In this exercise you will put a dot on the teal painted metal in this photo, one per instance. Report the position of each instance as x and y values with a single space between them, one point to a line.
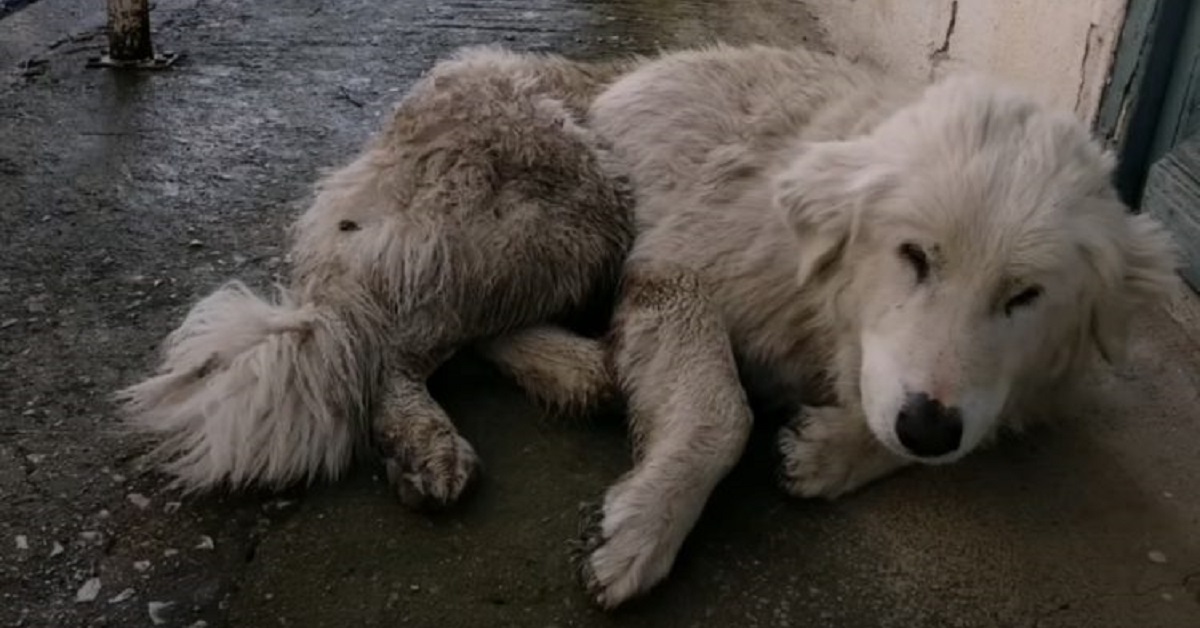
1132 106
1173 197
1180 116
1150 114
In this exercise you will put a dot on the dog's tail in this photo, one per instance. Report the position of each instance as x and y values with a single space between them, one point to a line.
251 391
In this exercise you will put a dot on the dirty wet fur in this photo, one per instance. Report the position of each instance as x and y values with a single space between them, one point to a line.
923 265
479 215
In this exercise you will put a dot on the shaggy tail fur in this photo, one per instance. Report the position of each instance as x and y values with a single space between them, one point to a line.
251 391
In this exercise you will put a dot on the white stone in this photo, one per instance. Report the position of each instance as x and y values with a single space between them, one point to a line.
158 611
121 597
89 591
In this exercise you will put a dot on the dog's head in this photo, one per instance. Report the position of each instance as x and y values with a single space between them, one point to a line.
975 248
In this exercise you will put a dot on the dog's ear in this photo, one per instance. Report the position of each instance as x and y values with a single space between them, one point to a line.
1136 263
822 194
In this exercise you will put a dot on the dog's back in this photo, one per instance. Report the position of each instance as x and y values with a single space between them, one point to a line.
706 121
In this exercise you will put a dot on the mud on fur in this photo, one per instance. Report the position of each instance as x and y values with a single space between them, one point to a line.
480 212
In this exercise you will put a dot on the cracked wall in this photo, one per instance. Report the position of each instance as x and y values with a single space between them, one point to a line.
1061 50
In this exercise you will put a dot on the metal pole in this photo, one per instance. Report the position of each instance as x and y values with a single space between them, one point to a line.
129 30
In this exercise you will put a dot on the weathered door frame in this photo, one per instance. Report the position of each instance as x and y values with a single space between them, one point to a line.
1135 107
1150 113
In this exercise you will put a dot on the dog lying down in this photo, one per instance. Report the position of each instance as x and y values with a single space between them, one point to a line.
919 263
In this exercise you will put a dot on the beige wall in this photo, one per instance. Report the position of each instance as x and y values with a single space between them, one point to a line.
1062 49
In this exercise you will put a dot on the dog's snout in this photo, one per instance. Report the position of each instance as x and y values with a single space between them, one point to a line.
927 428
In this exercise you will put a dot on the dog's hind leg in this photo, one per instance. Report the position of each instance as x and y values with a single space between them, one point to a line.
428 462
690 422
829 451
565 373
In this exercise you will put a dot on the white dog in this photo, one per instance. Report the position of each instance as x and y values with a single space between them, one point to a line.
921 264
926 263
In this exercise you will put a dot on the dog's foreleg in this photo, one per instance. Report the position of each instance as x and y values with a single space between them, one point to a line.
428 462
829 451
690 421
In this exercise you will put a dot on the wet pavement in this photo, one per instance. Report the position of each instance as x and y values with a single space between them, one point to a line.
124 198
12 6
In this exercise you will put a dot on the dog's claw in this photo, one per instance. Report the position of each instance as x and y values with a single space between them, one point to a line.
589 539
824 453
437 479
622 552
812 463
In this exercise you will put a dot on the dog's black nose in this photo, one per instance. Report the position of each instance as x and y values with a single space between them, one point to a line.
927 428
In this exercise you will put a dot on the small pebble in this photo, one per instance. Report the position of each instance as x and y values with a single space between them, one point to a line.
91 536
141 565
121 597
169 552
199 623
158 611
1167 597
103 514
1156 556
195 244
206 543
35 458
414 587
118 478
170 507
22 542
137 499
279 504
89 590
56 549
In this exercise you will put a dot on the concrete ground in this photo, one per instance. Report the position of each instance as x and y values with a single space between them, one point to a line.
124 198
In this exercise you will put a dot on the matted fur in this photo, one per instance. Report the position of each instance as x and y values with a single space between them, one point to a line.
481 208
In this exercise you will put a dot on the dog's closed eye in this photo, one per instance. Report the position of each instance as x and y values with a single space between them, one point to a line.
916 257
1024 298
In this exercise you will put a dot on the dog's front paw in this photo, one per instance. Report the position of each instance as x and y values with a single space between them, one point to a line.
436 474
818 454
627 546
